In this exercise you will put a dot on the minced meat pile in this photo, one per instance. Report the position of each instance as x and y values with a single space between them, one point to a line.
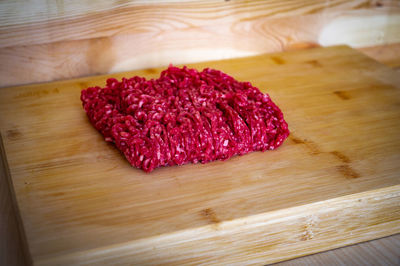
184 116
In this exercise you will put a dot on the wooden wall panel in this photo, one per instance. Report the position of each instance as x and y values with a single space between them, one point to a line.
52 40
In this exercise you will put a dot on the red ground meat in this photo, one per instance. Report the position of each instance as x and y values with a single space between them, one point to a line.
184 116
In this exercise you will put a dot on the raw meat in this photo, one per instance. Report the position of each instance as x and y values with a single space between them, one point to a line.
184 116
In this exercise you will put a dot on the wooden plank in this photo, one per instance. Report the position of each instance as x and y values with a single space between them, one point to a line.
81 201
53 40
48 20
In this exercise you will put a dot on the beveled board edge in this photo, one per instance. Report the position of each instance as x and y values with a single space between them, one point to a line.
260 239
4 168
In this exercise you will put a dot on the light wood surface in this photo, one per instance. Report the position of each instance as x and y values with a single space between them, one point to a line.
386 54
47 40
334 182
54 40
384 251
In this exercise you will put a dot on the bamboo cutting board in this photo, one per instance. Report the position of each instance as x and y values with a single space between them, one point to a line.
334 182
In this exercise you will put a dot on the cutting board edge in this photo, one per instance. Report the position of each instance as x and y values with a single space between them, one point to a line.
4 168
302 221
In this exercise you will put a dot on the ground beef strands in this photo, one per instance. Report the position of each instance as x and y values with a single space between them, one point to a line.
184 116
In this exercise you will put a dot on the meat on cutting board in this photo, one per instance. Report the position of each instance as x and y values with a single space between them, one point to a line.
184 116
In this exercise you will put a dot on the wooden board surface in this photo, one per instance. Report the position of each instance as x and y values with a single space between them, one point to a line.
335 181
52 40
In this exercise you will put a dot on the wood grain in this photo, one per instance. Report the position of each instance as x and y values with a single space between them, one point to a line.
386 54
80 200
53 40
273 237
384 251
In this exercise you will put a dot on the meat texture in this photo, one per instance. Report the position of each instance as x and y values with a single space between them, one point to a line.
184 116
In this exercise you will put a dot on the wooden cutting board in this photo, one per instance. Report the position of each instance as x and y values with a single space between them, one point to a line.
334 182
